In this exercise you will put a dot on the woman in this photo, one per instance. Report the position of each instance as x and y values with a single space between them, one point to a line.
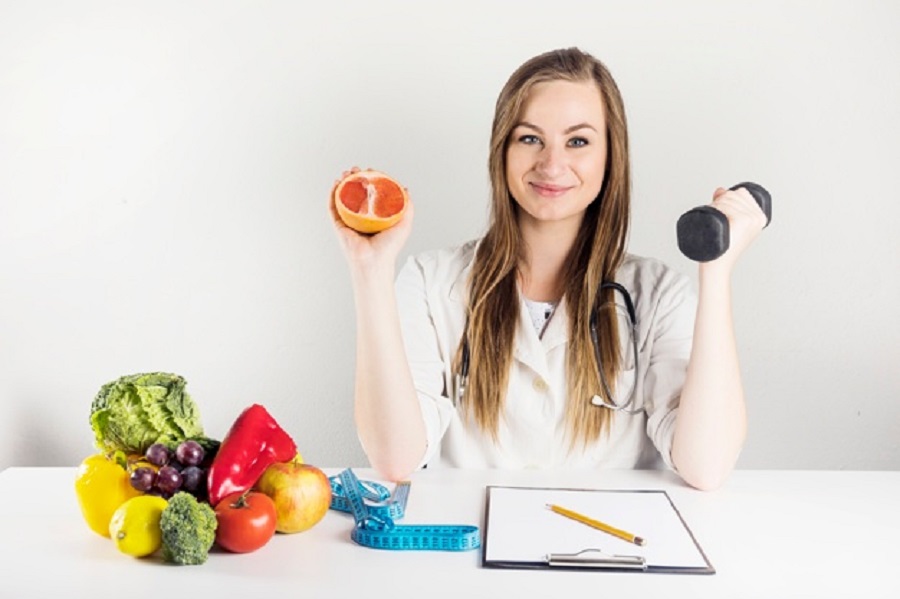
513 311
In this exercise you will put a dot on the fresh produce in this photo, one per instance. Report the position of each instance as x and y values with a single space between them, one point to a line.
168 480
254 442
246 521
134 527
135 411
190 453
301 493
159 484
193 480
143 479
158 454
188 530
369 201
101 485
172 471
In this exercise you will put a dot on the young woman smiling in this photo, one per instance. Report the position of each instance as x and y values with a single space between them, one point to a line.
544 344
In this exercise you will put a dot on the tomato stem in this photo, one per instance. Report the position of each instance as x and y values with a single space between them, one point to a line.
241 502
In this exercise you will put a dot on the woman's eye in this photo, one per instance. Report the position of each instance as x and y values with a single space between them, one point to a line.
529 139
577 142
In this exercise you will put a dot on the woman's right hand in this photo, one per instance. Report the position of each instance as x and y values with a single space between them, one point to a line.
364 250
386 408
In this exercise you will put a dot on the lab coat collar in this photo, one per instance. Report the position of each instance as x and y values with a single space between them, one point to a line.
459 288
557 331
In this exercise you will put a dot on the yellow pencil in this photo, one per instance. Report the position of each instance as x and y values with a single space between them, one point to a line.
617 532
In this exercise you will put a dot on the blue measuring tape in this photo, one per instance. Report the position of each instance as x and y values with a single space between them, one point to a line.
375 521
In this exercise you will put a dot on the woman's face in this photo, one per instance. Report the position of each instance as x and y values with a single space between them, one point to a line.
556 154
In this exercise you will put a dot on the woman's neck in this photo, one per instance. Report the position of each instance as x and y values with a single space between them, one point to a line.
547 246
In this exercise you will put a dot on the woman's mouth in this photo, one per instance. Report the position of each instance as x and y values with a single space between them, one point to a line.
549 190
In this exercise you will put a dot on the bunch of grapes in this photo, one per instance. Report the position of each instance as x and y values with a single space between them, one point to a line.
181 470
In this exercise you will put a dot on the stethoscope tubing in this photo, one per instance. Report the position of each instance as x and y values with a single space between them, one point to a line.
461 377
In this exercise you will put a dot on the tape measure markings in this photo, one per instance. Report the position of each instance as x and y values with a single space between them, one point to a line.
375 525
433 538
387 506
368 489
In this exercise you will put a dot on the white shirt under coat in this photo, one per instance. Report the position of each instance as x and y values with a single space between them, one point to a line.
431 295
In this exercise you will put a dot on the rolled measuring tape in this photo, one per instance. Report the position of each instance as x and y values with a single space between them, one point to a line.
375 524
384 507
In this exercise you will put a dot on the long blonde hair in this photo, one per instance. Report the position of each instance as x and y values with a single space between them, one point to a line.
598 251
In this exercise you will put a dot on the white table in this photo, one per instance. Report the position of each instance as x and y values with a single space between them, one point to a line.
767 533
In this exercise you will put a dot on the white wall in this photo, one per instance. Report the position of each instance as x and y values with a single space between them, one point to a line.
164 172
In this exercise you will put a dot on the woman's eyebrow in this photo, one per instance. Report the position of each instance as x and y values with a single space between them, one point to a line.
580 126
567 131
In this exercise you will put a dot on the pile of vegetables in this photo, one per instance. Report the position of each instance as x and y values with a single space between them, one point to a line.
148 431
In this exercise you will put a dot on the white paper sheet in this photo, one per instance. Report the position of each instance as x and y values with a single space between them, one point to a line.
521 529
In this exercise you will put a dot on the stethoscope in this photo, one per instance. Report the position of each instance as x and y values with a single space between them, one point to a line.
461 378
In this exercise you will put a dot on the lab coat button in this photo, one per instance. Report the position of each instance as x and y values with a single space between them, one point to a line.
540 385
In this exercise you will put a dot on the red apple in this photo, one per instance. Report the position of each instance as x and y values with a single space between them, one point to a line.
301 493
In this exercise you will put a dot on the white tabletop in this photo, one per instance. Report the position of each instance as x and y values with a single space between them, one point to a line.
767 533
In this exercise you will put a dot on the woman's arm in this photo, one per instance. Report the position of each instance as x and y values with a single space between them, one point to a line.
387 412
712 418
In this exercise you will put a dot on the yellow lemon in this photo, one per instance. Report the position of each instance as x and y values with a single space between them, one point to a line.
134 527
101 486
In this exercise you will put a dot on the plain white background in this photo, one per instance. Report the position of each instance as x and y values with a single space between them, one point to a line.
164 170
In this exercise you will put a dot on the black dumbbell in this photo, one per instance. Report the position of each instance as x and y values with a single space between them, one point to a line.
703 231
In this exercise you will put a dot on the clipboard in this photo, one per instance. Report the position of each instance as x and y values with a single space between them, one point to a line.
521 532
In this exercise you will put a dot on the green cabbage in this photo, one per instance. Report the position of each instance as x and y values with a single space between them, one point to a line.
135 411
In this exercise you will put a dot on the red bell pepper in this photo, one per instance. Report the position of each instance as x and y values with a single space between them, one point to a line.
254 442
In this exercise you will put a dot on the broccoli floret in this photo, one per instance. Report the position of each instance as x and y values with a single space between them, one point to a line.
188 530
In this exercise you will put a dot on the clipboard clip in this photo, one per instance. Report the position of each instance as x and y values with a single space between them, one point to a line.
595 558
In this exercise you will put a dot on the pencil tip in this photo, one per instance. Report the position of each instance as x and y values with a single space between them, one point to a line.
640 541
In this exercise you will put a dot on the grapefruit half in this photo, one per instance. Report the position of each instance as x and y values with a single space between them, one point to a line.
369 201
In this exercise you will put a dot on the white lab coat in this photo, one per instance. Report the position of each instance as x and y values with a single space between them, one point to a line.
431 296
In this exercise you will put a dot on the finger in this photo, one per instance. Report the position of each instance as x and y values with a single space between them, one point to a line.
732 203
741 206
332 210
344 175
351 171
738 196
718 193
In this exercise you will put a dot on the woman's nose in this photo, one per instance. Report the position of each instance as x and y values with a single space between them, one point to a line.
551 161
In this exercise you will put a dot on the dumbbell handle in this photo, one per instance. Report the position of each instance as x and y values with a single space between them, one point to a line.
703 231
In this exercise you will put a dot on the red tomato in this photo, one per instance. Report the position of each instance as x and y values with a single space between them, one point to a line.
246 522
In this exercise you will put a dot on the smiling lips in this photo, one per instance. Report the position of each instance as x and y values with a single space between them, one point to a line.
548 190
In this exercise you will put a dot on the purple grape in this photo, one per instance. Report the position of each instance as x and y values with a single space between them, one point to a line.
157 454
192 478
189 453
143 478
168 479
